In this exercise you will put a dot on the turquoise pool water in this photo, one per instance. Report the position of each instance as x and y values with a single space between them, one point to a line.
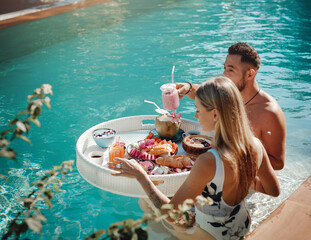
103 61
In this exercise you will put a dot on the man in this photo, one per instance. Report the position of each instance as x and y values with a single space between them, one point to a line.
264 113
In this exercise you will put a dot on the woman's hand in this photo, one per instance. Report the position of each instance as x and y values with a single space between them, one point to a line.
127 168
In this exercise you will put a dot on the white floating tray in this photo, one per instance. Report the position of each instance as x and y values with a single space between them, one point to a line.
130 129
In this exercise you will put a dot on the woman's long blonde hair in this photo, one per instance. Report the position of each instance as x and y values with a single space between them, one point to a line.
233 137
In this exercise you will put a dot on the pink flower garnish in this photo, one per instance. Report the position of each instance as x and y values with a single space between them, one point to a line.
176 117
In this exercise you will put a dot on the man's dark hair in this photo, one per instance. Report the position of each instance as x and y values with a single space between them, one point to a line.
248 54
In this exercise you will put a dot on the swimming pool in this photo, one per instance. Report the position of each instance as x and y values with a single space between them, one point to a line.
103 61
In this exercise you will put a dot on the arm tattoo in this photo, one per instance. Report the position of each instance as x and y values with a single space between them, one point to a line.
154 197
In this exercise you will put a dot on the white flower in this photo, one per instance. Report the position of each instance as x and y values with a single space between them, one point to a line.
47 99
38 90
47 88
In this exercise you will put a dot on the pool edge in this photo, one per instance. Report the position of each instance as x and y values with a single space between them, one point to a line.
48 12
291 220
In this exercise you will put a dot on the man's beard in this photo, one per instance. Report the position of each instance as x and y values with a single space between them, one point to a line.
242 83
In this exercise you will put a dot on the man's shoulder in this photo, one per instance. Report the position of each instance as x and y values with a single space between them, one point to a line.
265 106
265 112
268 106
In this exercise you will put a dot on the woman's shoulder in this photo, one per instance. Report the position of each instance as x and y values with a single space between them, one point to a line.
206 162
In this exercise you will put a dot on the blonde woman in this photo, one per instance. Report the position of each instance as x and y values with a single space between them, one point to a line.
225 173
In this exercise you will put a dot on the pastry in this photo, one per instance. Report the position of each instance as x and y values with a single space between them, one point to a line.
177 161
160 149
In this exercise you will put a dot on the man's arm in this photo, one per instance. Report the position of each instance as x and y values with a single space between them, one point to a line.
273 137
183 88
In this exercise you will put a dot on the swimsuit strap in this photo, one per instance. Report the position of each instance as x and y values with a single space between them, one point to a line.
219 172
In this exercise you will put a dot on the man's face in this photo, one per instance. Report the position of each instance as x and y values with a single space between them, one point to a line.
235 70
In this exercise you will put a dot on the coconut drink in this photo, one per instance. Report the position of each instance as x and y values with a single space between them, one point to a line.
166 126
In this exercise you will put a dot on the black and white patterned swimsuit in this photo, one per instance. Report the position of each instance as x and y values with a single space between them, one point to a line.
220 219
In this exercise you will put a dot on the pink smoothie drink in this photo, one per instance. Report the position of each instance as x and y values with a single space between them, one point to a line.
170 96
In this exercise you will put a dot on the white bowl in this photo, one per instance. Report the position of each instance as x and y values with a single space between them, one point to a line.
104 137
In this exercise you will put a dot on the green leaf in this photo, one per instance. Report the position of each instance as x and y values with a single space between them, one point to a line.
43 178
96 235
186 216
47 201
8 153
157 212
38 184
41 217
30 105
18 131
63 171
4 143
55 186
23 138
23 227
185 207
173 215
160 218
50 172
35 121
128 223
34 223
21 125
189 201
37 111
5 132
41 95
46 101
141 233
27 125
167 206
27 202
13 121
59 182
48 193
22 112
134 236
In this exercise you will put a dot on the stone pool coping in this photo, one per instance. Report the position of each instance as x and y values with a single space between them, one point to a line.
35 14
291 220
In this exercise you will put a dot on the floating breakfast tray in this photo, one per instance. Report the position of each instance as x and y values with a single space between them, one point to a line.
92 159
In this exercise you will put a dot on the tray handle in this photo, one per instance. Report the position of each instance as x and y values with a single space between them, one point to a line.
148 122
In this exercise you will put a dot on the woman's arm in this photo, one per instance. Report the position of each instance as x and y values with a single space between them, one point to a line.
132 169
266 181
202 172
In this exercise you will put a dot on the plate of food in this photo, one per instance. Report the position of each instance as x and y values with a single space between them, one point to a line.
167 165
151 148
172 164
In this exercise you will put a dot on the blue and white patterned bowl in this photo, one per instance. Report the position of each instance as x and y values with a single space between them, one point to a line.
104 137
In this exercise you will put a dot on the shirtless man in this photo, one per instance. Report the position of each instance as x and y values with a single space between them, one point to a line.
264 113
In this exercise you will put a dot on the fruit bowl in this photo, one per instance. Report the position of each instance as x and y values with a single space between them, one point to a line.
196 144
104 137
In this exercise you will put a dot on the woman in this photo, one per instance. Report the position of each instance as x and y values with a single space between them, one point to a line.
224 173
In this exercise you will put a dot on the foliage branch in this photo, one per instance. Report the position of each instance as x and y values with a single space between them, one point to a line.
133 229
20 125
31 217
